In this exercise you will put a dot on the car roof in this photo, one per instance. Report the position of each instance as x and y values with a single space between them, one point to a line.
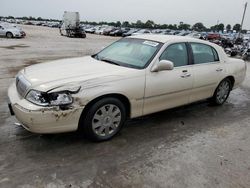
168 38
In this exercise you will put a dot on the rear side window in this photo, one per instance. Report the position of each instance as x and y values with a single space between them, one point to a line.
177 53
204 53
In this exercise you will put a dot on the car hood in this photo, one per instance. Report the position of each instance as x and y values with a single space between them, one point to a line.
76 71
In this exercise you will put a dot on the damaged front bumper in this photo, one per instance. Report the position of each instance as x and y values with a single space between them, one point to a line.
44 120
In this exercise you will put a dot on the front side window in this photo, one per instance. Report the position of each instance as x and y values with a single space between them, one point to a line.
177 53
135 53
203 53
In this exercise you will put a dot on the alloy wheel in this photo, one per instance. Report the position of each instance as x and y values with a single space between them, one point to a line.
223 92
106 120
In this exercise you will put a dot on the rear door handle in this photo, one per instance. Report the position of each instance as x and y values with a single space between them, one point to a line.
219 70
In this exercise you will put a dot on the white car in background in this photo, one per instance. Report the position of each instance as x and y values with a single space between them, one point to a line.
194 35
10 31
99 31
142 32
132 77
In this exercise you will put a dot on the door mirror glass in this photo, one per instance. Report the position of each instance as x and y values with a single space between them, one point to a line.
163 65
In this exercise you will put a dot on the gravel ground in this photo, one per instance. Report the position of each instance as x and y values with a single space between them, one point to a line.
195 146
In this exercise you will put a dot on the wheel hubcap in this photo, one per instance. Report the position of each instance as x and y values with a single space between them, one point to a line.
106 120
223 91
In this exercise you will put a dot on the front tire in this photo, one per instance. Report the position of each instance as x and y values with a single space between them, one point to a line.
9 35
222 92
103 120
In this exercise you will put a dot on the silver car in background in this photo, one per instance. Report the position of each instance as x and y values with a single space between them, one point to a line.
11 31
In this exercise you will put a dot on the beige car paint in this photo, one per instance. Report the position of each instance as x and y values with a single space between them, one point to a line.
147 91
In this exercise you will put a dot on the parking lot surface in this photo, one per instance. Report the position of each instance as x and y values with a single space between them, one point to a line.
194 146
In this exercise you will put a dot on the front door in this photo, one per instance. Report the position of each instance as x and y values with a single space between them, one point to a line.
171 88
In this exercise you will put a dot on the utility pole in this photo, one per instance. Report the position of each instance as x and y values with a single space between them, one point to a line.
243 17
217 25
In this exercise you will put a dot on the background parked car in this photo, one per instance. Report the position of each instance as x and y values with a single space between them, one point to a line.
99 31
141 32
129 33
213 36
195 35
118 32
108 30
10 31
90 30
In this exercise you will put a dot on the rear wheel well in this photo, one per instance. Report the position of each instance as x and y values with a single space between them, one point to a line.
120 97
232 80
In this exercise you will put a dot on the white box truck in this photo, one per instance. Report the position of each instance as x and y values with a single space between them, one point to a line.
70 25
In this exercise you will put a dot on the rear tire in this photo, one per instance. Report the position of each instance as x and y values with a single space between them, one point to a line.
103 120
222 92
9 35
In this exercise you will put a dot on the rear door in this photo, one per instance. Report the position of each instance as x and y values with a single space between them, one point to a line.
207 69
170 88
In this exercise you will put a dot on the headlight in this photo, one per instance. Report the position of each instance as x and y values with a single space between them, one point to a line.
37 97
51 99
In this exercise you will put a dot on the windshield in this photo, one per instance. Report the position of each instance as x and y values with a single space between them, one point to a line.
128 52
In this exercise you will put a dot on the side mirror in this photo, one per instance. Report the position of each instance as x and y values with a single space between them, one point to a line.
163 65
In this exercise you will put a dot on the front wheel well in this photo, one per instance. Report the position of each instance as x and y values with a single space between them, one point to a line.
8 32
120 97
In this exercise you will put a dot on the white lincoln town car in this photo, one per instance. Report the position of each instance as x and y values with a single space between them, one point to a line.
132 77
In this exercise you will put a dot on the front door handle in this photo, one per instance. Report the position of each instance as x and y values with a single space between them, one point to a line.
219 70
185 75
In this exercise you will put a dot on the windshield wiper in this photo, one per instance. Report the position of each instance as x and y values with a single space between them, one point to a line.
110 61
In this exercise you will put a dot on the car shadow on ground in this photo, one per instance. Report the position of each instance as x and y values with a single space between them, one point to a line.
167 126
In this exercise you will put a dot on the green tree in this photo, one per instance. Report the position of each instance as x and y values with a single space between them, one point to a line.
236 27
39 19
213 28
184 26
229 27
31 18
172 27
220 27
149 24
118 24
199 27
126 24
139 24
111 23
10 17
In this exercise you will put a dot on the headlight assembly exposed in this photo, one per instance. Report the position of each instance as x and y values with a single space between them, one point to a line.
51 99
57 99
37 98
